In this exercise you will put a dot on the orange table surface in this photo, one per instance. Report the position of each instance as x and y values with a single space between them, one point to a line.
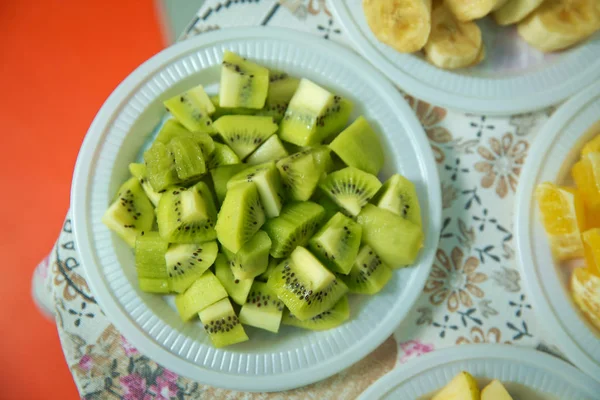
59 61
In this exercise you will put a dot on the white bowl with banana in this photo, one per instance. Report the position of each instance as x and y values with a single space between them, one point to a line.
484 56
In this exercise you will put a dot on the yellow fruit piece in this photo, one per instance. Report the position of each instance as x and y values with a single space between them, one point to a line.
563 218
462 387
585 288
468 10
495 391
586 174
402 24
593 146
591 245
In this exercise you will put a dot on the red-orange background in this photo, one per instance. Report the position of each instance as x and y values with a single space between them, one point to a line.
59 60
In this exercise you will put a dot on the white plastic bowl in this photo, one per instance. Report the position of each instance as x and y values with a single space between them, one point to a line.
554 152
267 362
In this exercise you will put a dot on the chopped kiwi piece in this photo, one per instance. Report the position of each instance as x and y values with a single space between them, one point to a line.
192 109
350 188
150 264
329 319
271 150
399 196
189 159
160 167
336 244
294 227
222 325
223 155
140 172
220 111
368 274
313 115
252 259
281 89
154 285
263 309
187 262
358 146
396 240
300 175
322 157
331 208
205 291
243 83
244 133
220 177
307 289
268 182
241 216
237 289
187 215
273 262
170 129
131 213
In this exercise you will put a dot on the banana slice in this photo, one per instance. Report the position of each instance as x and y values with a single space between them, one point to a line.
468 10
514 11
402 24
452 44
558 24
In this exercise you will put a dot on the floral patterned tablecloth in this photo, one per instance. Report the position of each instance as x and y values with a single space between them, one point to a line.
474 294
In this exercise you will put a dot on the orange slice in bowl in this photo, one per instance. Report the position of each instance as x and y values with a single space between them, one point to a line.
586 174
585 288
591 245
563 218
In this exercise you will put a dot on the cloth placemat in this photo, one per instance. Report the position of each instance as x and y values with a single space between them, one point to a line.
474 293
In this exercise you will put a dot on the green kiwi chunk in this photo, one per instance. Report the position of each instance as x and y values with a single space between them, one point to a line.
244 133
192 109
271 150
187 262
263 309
220 177
268 182
305 286
205 291
399 196
358 146
313 115
281 90
220 111
190 162
337 243
241 216
222 325
187 215
131 213
150 264
139 171
329 319
300 175
238 289
223 155
350 188
172 129
243 83
252 259
331 207
294 227
160 167
323 160
368 274
273 262
396 240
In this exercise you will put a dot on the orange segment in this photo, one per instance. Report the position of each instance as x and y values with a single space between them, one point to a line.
585 289
563 218
592 218
593 146
591 245
586 174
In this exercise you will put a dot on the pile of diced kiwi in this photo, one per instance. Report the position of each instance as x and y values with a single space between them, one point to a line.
270 214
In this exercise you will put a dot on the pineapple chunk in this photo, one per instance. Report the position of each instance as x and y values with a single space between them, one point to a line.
462 387
495 391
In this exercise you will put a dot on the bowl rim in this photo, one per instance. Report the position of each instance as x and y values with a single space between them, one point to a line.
80 216
553 128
